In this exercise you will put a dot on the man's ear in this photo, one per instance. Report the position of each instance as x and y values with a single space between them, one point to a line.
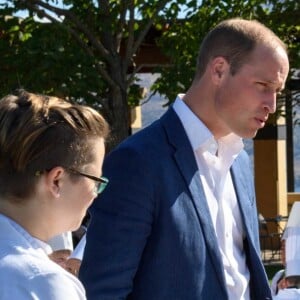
219 67
53 180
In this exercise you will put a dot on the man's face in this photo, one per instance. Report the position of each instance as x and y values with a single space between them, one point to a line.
244 101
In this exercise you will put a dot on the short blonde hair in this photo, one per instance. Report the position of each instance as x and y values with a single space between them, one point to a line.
39 132
235 40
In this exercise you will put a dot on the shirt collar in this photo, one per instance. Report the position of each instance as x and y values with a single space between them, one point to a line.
192 124
201 137
34 242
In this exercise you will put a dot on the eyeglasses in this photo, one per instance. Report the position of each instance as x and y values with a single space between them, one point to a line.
101 182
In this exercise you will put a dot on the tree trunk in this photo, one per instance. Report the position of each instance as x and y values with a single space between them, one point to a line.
118 118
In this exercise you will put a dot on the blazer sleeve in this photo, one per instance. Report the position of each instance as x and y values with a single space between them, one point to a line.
120 223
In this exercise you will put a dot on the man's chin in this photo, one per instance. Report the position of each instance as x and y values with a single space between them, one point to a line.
248 135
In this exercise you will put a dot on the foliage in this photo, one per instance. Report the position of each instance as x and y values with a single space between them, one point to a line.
87 49
181 42
48 63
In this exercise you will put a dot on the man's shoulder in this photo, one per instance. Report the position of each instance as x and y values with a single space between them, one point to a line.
154 134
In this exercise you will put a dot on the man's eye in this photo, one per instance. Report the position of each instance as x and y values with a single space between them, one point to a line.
261 85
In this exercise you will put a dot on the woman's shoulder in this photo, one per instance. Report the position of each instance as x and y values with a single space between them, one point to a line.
43 276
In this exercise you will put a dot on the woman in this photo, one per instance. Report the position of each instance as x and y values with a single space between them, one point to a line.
51 154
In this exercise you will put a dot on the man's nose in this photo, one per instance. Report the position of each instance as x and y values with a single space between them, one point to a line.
270 103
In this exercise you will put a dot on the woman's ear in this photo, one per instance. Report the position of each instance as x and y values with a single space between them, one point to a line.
54 180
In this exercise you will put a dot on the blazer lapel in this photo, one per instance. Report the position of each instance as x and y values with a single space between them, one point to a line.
259 285
245 195
185 159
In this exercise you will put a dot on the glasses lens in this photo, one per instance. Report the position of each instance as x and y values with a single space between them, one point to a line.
102 185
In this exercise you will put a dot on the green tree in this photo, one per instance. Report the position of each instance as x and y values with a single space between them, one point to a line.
181 42
42 57
86 50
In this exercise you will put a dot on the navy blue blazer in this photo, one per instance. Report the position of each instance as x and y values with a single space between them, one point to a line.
151 236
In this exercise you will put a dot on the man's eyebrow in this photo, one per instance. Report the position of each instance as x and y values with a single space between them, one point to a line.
270 82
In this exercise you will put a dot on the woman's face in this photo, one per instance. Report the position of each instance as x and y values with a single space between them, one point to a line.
78 193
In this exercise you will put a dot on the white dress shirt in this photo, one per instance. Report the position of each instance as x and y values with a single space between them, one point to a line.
26 272
214 159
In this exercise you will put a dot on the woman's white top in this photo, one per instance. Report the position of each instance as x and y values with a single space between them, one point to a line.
26 272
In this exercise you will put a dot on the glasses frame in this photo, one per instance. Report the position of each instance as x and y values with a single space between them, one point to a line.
102 181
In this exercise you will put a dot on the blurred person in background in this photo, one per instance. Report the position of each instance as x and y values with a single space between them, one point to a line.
285 284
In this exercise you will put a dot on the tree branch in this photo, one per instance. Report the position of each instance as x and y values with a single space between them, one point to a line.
121 24
143 34
148 25
35 4
82 44
130 40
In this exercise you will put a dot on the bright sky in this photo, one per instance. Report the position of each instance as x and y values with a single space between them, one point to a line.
24 13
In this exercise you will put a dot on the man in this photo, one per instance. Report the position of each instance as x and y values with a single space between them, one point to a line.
179 218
